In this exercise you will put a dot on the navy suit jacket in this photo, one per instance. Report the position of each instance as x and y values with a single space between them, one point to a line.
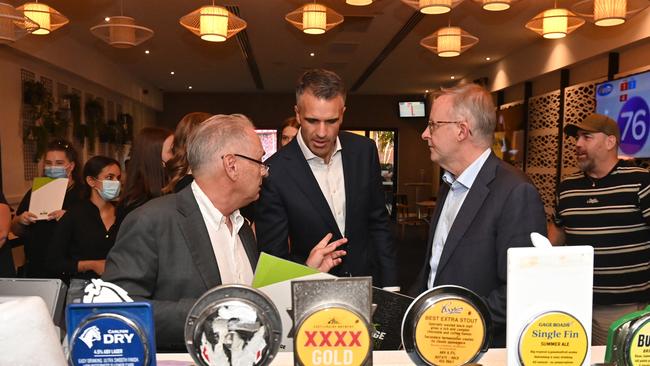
500 211
163 255
291 205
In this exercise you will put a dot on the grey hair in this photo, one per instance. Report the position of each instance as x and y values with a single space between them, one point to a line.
324 84
214 137
475 103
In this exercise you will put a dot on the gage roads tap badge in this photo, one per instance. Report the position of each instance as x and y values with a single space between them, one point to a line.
332 322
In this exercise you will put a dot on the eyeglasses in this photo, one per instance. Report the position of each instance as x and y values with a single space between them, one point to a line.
265 168
434 125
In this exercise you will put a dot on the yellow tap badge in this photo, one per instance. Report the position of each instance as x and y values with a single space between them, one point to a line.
332 336
639 353
451 332
553 338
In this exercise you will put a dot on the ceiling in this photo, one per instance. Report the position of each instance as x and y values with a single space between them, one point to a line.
279 52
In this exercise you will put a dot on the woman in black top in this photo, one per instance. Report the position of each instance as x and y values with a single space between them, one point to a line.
6 259
146 175
87 232
60 161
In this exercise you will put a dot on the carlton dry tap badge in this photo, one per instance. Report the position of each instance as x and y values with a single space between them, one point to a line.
233 325
629 340
111 334
332 322
447 325
553 338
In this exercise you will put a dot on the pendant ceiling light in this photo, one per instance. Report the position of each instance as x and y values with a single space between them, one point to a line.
449 41
13 24
314 18
432 6
358 2
607 13
495 5
555 23
213 23
47 18
121 31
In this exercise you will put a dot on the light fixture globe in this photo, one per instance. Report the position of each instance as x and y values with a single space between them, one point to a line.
121 32
213 23
314 18
449 41
47 18
555 23
13 24
608 13
495 5
432 6
358 2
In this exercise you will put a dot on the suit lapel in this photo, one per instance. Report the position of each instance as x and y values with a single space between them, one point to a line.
349 176
197 238
250 246
473 202
301 173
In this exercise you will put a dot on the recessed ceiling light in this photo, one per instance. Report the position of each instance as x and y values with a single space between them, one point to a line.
190 87
453 77
426 91
171 73
107 19
487 59
147 52
312 54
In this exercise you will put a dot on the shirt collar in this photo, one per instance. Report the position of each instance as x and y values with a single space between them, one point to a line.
213 214
310 155
468 176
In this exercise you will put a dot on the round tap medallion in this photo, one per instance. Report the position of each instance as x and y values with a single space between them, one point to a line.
233 325
553 338
638 343
332 336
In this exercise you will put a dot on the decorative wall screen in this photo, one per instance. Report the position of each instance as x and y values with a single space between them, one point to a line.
542 145
29 146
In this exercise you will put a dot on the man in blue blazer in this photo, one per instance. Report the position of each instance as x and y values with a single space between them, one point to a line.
326 181
485 205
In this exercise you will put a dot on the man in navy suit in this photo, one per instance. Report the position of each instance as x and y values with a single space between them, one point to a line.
485 205
327 181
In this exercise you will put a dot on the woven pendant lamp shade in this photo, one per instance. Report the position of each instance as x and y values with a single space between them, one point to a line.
13 24
121 32
213 23
607 13
555 23
449 41
314 18
47 18
358 2
432 6
495 5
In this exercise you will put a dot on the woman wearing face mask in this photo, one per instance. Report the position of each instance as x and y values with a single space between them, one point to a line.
60 161
87 232
146 175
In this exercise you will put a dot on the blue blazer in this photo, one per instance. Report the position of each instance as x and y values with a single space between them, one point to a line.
291 205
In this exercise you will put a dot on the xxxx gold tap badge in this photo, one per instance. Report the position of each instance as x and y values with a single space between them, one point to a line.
332 336
451 332
639 354
553 338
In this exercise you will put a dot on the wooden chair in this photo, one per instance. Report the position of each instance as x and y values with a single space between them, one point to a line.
404 216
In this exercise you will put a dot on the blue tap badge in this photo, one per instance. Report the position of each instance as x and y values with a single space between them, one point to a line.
114 334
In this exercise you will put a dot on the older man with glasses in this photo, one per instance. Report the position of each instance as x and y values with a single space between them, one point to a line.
174 248
485 206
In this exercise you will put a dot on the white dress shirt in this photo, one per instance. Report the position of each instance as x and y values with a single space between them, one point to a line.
459 187
330 179
234 266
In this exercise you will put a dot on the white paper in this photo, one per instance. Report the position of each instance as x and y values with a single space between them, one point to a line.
47 196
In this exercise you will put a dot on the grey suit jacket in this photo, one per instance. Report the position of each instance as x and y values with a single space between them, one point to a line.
163 255
500 211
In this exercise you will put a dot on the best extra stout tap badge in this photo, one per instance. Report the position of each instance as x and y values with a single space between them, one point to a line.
446 326
331 327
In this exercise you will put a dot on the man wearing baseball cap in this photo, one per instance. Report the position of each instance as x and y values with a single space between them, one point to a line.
607 205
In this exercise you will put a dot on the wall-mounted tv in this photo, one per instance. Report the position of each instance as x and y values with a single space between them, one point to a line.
412 109
626 101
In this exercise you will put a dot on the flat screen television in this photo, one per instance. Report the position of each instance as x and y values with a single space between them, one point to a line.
412 109
626 101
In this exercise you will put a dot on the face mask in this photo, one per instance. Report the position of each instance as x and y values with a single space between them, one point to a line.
110 189
55 171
